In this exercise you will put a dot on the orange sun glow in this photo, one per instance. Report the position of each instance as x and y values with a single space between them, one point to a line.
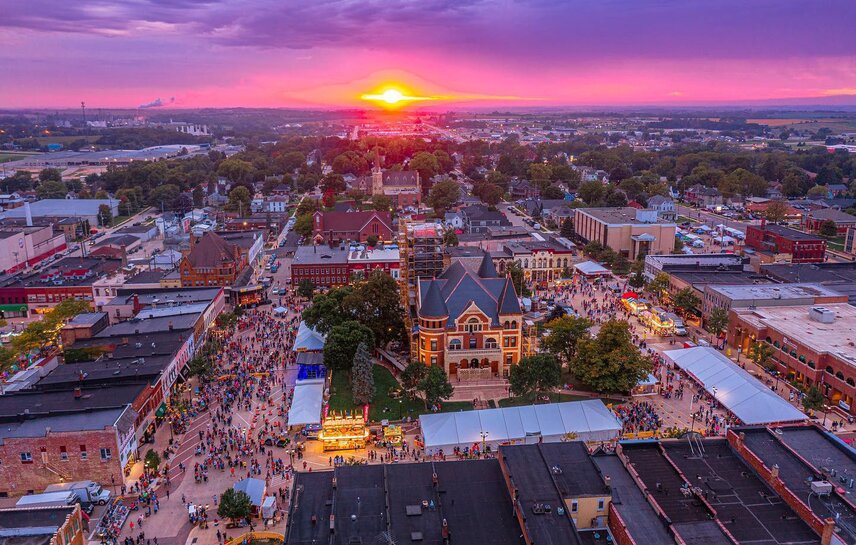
391 98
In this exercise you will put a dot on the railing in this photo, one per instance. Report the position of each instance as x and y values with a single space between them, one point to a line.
462 353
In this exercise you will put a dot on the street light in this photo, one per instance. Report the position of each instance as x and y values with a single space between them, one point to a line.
484 435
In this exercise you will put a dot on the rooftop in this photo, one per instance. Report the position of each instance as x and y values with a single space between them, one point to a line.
787 232
702 278
774 291
70 271
61 208
626 215
32 526
86 319
96 419
837 339
320 255
30 403
155 324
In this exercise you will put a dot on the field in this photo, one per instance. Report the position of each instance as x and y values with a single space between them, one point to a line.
554 398
383 406
6 156
809 124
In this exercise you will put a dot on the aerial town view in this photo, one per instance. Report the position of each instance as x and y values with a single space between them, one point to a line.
399 272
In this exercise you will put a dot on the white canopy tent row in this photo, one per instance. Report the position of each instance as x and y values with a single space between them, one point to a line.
735 389
588 420
307 339
590 268
306 403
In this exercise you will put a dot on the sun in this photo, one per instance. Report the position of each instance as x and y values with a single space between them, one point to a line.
392 97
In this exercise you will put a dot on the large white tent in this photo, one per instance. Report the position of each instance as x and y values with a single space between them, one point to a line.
306 404
588 420
590 268
735 389
307 339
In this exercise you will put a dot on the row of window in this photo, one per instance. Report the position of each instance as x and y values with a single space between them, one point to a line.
456 344
57 297
106 454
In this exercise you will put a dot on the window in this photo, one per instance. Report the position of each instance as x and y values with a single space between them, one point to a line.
433 361
490 343
27 457
600 504
106 454
574 506
63 454
455 344
473 342
434 345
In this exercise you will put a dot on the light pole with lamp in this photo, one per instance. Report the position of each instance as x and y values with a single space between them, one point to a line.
484 436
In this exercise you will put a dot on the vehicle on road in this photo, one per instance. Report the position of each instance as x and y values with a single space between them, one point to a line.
88 492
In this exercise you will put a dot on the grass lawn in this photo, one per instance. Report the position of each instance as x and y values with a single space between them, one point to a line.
119 219
682 219
554 398
382 406
836 243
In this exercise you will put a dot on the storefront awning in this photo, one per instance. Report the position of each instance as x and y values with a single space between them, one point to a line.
13 308
161 410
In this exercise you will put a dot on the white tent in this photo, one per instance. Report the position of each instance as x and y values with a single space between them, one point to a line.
738 391
588 420
590 268
306 404
307 339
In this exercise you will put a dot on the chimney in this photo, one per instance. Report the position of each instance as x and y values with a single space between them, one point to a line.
828 531
434 480
171 327
774 472
28 214
608 480
77 393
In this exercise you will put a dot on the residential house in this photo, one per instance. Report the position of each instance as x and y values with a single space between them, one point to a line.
664 206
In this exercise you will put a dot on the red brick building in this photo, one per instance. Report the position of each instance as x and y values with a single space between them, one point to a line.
335 227
323 266
777 239
842 220
211 261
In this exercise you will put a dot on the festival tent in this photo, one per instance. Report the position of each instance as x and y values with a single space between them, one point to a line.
588 420
307 339
280 311
735 389
306 404
590 268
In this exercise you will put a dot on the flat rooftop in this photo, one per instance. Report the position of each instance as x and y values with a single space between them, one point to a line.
152 325
81 421
620 216
29 403
34 526
750 510
788 233
577 474
701 278
797 476
534 483
643 523
837 339
470 495
774 291
320 255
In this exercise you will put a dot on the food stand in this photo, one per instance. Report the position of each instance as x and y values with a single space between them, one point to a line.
344 432
392 435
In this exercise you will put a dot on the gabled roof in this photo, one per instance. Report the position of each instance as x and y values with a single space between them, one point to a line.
508 303
433 304
395 178
831 214
353 221
211 251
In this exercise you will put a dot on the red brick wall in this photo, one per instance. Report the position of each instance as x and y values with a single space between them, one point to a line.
618 528
16 477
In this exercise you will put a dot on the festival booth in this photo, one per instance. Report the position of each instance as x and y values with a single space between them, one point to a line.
308 340
280 311
393 435
255 489
634 303
344 432
648 386
733 387
590 268
588 421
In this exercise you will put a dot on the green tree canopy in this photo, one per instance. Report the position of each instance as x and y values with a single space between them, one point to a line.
435 386
362 376
239 201
564 334
342 343
234 505
413 374
717 321
443 195
51 189
535 374
327 310
426 164
686 301
610 362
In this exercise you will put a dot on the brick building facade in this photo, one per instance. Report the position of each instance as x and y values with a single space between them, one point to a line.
336 227
211 261
777 239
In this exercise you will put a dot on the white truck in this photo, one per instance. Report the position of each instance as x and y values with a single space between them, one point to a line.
88 492
62 498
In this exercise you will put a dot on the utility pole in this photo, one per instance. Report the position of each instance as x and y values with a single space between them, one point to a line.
83 109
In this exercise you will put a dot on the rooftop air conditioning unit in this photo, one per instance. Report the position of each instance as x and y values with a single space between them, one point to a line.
821 488
821 314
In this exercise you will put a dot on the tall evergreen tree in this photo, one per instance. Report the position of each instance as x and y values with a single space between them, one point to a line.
362 378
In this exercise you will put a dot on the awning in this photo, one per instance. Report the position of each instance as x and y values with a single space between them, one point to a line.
306 404
161 410
590 268
13 308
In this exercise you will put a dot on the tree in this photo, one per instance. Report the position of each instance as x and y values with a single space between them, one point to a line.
304 225
198 197
435 386
425 164
413 374
236 170
342 343
152 460
20 181
234 505
637 280
45 332
50 175
334 183
239 201
717 321
491 195
564 334
567 230
540 174
350 162
443 195
105 215
686 301
515 270
362 376
305 288
163 195
535 374
610 362
828 229
371 241
200 366
660 284
182 204
100 194
375 303
761 354
813 399
381 203
776 211
590 192
51 189
450 238
552 192
327 310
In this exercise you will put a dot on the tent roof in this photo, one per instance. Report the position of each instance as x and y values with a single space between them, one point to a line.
590 268
308 339
589 420
254 488
306 404
738 391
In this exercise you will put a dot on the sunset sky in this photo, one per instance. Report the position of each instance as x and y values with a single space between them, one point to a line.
326 53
